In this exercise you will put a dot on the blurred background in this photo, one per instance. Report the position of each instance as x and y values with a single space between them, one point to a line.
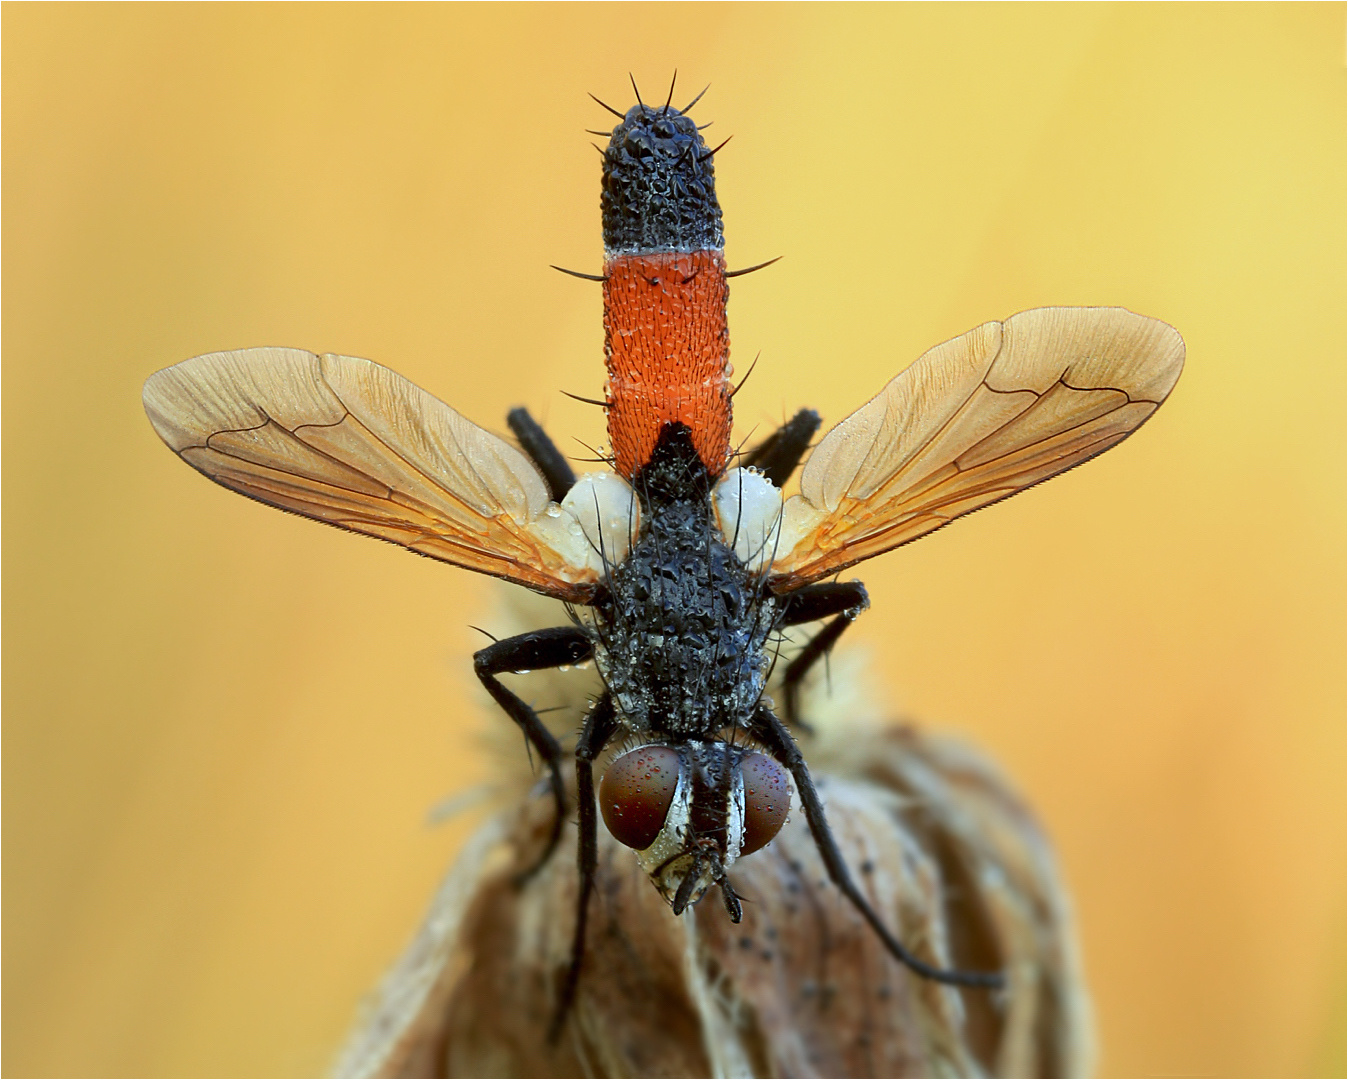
224 727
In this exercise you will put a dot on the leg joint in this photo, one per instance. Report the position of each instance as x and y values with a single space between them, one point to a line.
820 601
540 649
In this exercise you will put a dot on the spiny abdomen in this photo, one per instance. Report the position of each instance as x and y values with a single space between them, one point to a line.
666 342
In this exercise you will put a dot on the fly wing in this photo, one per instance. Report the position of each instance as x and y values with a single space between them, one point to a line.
353 444
974 420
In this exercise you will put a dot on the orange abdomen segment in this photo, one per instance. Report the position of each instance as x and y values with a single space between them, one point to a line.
668 354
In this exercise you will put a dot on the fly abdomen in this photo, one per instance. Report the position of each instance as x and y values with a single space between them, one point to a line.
659 190
665 336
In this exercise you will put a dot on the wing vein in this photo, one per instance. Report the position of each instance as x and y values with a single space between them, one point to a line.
866 490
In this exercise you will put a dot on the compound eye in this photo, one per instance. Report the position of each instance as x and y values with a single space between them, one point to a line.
767 798
636 793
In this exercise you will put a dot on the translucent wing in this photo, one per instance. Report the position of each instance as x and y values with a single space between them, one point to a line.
974 420
353 444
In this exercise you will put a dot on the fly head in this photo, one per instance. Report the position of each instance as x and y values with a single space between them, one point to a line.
689 810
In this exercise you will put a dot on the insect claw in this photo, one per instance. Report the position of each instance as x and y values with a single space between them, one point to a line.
732 901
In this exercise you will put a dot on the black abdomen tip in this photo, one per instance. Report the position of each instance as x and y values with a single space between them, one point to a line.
659 185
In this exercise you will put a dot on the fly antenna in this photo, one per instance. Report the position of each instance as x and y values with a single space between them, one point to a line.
748 269
696 99
672 81
636 91
481 631
610 108
592 277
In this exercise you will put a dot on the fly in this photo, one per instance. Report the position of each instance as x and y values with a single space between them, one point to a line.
682 563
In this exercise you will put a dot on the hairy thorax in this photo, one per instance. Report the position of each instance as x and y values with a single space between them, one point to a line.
682 639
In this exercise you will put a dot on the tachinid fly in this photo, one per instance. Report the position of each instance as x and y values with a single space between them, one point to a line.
681 564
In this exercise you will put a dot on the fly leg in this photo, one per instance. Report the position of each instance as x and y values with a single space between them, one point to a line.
598 729
778 455
542 451
772 734
532 652
846 600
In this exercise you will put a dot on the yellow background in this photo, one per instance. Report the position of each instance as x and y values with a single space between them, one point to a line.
223 727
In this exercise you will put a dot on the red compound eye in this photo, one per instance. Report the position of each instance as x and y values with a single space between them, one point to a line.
636 793
767 798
